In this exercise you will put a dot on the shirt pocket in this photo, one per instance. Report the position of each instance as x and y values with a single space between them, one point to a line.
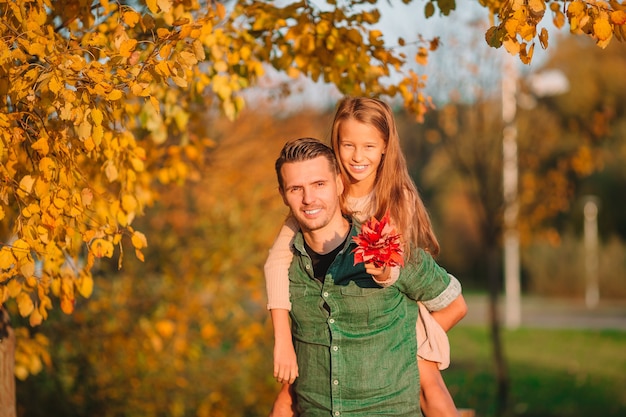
369 308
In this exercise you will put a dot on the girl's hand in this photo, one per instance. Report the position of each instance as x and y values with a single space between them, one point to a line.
380 275
285 364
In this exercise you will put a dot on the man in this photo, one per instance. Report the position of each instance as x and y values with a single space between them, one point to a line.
355 341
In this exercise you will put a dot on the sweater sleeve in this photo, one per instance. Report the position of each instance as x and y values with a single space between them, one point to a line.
277 267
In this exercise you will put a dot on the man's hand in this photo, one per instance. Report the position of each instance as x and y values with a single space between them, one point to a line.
284 405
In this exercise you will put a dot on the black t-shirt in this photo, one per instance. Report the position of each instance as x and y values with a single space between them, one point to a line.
321 262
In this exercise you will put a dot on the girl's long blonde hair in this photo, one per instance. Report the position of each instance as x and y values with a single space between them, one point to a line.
394 190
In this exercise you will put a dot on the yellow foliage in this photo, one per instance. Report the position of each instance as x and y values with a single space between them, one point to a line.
30 354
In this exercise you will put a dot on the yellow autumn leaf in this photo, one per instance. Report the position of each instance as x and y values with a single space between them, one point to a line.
512 46
188 58
618 17
537 7
576 8
155 104
559 19
96 135
54 84
35 318
129 203
86 196
6 258
131 18
179 81
139 255
543 38
97 116
27 267
21 249
163 69
139 240
102 248
47 167
115 95
67 304
127 47
2 214
165 5
89 143
602 29
422 56
41 146
221 10
37 49
42 187
85 285
26 185
30 210
152 5
25 304
110 170
84 130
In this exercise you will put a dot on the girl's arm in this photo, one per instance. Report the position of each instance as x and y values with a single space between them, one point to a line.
277 286
450 307
452 314
285 361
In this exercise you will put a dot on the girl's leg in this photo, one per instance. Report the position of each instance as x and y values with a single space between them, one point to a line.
284 405
435 399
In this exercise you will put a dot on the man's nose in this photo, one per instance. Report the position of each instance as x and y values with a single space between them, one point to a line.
308 195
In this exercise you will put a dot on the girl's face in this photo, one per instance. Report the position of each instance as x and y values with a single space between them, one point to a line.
361 149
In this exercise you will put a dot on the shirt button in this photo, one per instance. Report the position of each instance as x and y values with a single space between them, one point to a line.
331 321
335 348
325 294
337 413
336 382
308 266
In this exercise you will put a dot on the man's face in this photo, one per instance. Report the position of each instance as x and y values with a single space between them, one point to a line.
311 190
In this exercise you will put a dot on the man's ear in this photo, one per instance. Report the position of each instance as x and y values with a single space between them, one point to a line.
339 185
282 194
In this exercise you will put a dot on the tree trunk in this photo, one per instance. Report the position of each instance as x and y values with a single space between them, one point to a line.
502 373
7 366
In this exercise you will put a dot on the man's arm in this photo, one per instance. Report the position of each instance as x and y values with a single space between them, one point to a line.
450 315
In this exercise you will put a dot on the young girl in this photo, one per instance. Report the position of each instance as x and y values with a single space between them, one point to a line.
365 140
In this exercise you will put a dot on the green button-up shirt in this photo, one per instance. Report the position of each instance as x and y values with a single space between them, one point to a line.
357 355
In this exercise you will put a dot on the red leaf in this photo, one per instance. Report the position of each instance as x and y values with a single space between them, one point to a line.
378 243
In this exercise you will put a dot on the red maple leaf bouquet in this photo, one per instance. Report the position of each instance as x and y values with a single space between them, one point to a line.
378 243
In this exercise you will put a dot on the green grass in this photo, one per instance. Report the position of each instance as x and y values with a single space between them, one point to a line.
553 373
